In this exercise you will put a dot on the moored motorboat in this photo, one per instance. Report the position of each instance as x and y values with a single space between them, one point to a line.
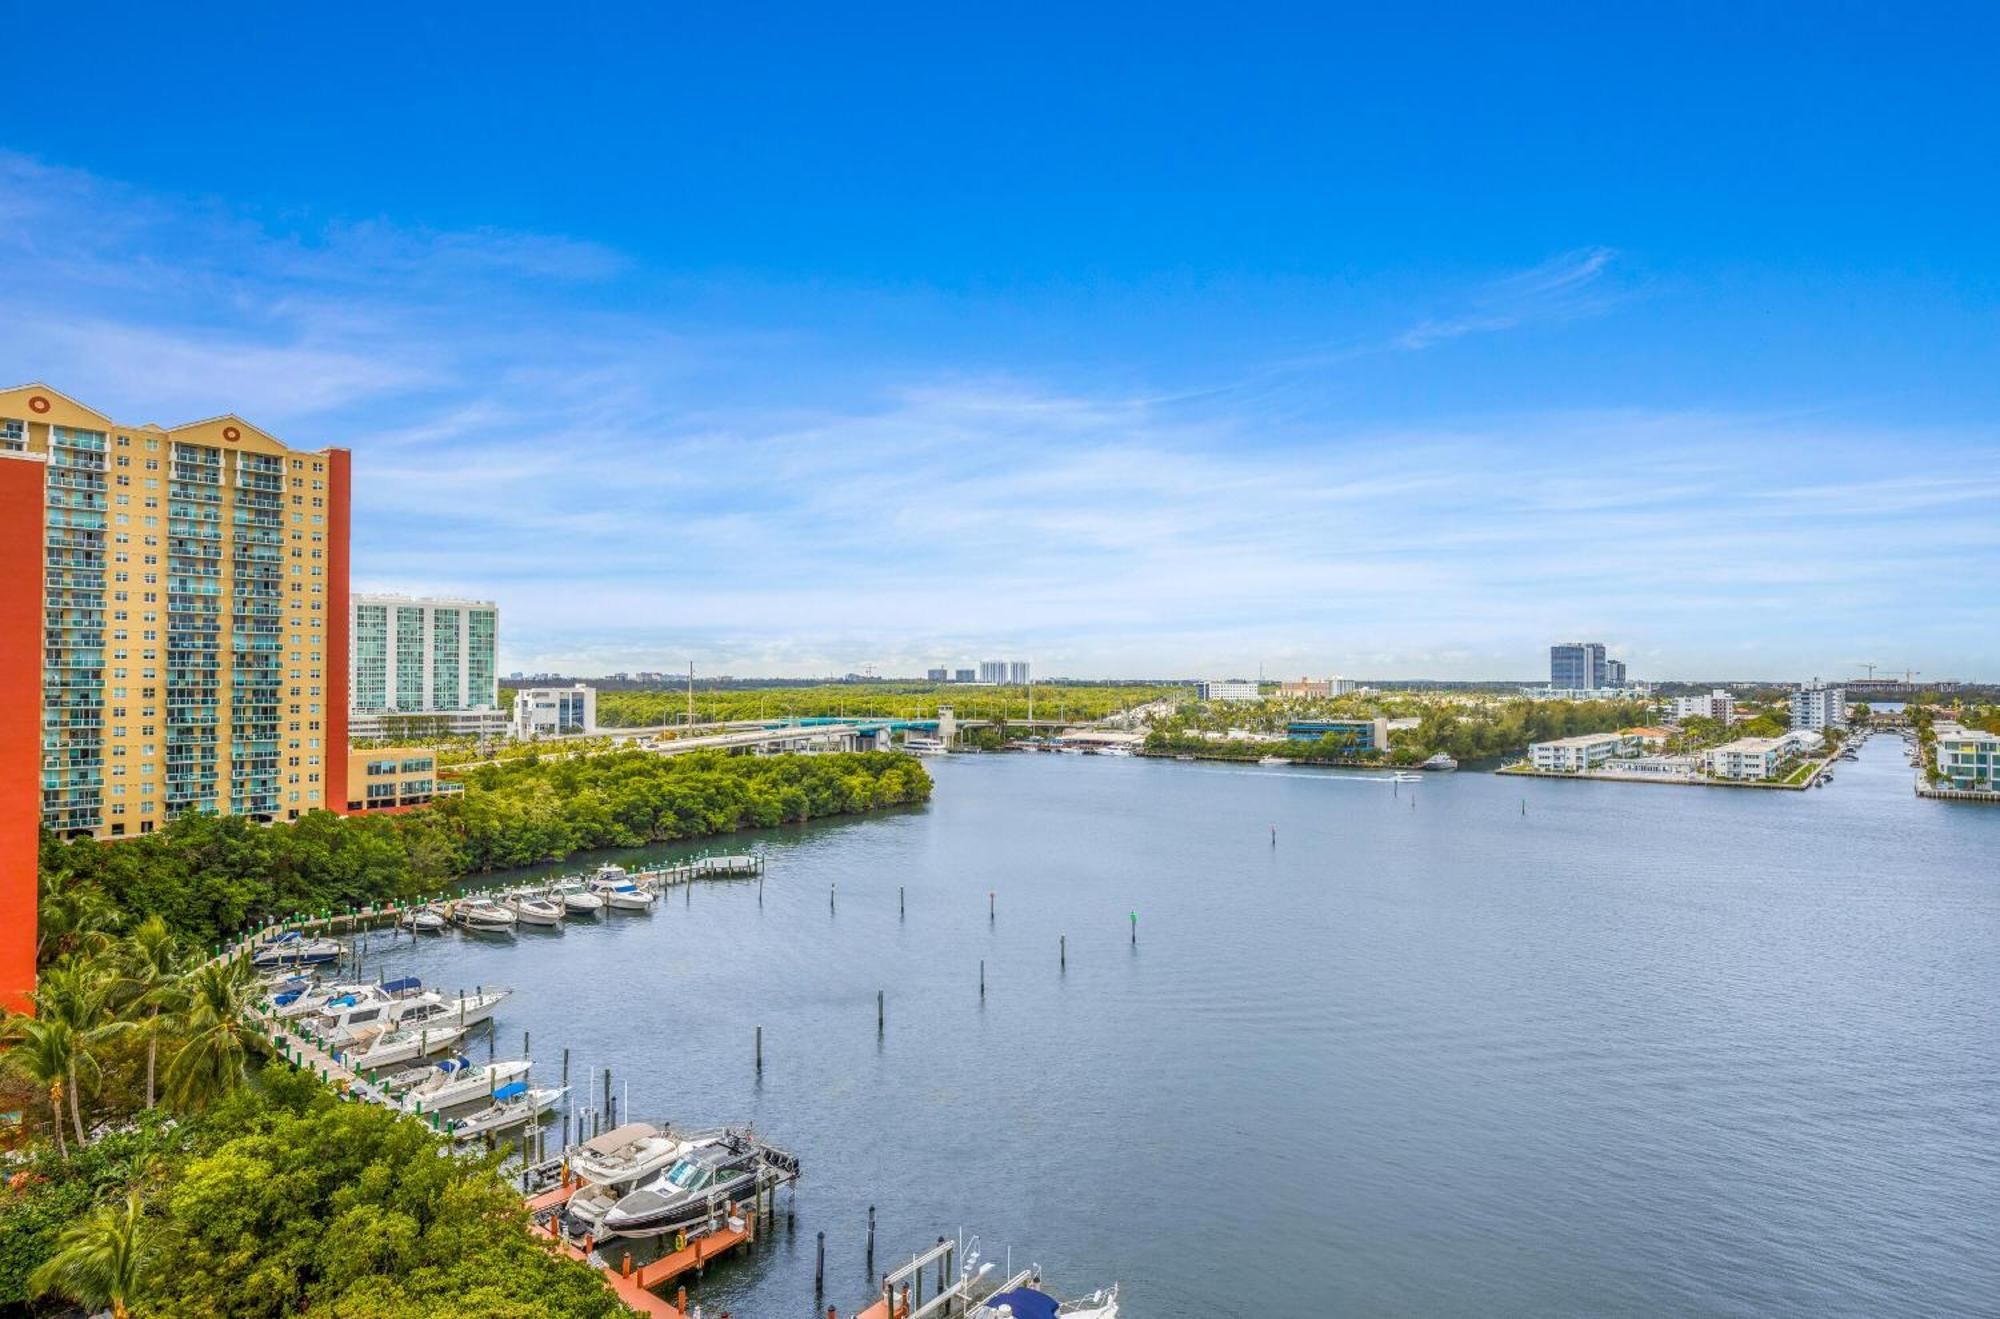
1027 1300
455 1081
701 1180
576 897
481 914
619 892
423 920
533 909
293 949
1439 761
513 1104
391 1048
611 1165
301 998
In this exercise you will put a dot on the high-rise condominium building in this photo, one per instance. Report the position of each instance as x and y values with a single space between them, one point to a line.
1004 671
1578 666
194 623
937 675
424 665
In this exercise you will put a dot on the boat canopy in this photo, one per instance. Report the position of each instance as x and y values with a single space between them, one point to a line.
457 1064
511 1090
621 1136
1025 1302
398 986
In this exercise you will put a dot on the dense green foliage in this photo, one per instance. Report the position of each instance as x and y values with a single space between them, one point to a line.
283 1200
1466 729
883 699
211 876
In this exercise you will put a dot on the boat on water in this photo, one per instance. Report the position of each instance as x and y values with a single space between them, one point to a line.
455 1081
1439 761
350 1016
615 886
1404 776
303 997
481 914
1272 760
611 1165
924 746
391 1048
1028 1301
293 949
513 1104
576 897
464 1010
423 920
696 1186
533 908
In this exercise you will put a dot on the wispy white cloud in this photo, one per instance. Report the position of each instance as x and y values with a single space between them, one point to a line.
636 490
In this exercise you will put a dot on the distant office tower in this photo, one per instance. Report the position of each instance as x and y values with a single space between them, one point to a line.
194 632
424 666
550 711
938 675
1577 666
1819 707
962 675
1017 672
1614 673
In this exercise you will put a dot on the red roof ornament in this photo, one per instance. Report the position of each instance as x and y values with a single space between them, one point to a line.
38 404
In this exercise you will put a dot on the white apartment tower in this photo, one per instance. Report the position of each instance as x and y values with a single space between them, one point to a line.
424 665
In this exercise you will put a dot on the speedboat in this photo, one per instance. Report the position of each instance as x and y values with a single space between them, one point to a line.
698 1184
455 1081
1273 760
293 949
513 1104
576 897
615 887
481 914
423 920
1404 776
1441 760
303 998
349 1016
612 1164
465 1010
1029 1301
532 909
389 1048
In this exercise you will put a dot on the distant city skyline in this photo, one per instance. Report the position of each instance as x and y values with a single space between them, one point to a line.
1390 358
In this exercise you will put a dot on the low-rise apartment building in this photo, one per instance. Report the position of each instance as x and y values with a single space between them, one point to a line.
1969 757
1718 704
390 778
552 711
1748 759
1574 755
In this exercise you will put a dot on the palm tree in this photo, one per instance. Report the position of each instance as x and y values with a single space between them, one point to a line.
215 1059
74 917
41 1049
151 962
102 1259
78 994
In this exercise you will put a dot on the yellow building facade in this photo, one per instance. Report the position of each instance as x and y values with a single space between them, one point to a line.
194 593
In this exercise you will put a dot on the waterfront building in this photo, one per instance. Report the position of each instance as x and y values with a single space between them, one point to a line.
22 510
1818 706
1317 688
423 666
193 638
1578 666
552 711
1573 755
1356 734
1717 704
938 675
1969 757
1227 689
393 778
1647 736
1754 758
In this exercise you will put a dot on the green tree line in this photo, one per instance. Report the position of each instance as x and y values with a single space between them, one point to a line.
210 876
616 709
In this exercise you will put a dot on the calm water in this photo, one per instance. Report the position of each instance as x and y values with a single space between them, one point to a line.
1642 1050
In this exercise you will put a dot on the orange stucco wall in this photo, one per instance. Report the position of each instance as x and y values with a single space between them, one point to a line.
21 505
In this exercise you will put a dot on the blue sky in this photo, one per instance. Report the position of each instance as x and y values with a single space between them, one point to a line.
1391 341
